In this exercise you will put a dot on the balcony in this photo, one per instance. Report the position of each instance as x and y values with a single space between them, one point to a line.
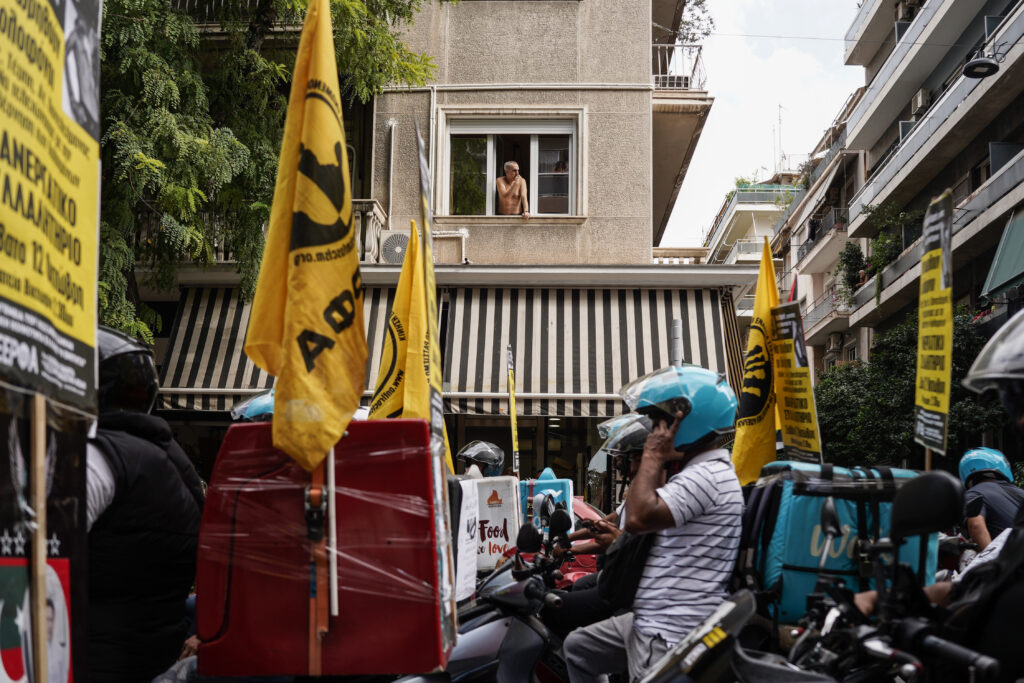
964 105
972 235
745 251
924 44
868 31
827 314
679 108
769 197
677 67
679 256
819 253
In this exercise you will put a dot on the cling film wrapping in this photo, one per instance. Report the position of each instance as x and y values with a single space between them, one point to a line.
49 186
253 570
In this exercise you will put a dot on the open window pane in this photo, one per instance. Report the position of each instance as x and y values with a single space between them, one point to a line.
553 174
468 181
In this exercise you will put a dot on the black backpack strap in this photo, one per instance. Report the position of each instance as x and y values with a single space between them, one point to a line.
863 535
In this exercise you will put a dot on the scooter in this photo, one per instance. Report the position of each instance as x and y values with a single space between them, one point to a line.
500 636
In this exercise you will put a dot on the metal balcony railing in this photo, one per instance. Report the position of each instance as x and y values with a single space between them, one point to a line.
830 303
833 219
677 67
779 195
790 208
745 249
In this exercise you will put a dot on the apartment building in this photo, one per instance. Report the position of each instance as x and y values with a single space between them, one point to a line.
942 107
602 110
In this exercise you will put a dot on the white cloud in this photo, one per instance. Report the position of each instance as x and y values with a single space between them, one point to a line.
749 77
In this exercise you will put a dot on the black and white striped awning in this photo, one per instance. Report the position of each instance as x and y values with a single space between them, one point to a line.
573 348
206 367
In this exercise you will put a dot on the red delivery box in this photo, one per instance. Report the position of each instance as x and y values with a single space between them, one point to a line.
254 569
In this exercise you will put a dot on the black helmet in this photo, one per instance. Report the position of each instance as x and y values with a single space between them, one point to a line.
489 457
1000 366
127 373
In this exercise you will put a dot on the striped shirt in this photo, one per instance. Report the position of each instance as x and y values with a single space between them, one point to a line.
688 569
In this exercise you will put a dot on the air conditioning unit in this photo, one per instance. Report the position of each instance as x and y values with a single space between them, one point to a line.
835 343
922 100
393 245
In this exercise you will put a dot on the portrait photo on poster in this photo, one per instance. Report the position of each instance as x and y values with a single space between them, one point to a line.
81 88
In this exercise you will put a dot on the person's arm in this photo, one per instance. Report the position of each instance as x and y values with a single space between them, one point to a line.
647 511
525 198
99 484
978 530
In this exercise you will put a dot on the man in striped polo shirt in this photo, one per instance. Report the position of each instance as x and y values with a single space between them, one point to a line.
696 515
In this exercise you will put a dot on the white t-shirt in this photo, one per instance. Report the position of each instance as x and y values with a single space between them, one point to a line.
688 569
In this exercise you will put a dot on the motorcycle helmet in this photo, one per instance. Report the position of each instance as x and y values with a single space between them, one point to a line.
1000 367
706 400
979 460
609 426
630 437
127 374
484 454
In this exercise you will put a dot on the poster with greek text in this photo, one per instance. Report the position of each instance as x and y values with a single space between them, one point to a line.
794 393
49 194
935 328
66 588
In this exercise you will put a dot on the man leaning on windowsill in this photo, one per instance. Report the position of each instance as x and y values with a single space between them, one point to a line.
512 196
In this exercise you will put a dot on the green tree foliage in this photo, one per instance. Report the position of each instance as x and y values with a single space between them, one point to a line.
866 410
191 129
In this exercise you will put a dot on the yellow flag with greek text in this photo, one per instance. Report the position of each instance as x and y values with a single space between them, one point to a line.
306 326
755 420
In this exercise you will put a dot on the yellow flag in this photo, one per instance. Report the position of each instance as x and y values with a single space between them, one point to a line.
403 381
306 326
755 420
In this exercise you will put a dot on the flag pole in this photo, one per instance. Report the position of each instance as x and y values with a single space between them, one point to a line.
332 531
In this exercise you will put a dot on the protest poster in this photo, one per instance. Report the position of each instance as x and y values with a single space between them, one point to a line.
794 392
935 329
49 209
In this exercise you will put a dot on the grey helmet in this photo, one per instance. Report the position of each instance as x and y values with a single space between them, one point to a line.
1000 367
127 375
486 455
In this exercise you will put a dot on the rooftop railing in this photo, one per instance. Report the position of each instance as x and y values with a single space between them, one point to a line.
677 67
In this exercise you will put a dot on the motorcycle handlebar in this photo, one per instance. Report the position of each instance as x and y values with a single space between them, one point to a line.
986 667
537 592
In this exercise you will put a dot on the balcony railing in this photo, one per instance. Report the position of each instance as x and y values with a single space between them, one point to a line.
677 67
754 194
745 249
679 256
831 303
833 219
784 280
948 104
833 150
790 208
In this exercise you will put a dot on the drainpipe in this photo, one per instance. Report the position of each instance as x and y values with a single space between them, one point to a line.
677 342
392 124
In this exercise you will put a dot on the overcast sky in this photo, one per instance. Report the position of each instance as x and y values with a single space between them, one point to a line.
749 77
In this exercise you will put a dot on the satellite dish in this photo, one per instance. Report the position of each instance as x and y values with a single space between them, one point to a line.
981 66
393 247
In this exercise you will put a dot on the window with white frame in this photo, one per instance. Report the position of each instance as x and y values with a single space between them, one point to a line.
478 149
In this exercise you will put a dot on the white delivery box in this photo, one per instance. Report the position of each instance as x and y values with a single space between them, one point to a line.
465 581
498 523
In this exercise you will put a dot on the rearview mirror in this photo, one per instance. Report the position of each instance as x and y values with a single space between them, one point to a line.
529 539
930 502
830 519
561 522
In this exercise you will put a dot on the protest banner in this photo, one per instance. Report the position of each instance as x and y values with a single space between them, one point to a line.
49 206
512 410
798 416
755 419
935 330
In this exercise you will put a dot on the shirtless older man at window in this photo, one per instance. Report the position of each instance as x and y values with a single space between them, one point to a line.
512 192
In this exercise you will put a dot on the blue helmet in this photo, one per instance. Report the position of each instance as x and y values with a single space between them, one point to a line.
705 398
984 460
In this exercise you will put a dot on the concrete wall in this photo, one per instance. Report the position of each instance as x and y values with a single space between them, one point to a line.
589 61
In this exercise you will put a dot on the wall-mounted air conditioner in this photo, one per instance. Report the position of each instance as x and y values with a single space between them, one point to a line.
835 343
922 100
393 245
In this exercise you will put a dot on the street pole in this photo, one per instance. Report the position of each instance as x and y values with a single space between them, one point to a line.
676 355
